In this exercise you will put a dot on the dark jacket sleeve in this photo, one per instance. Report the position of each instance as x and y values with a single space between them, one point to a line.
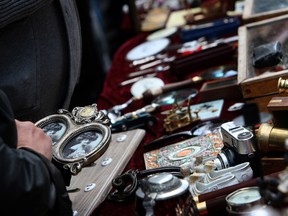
7 122
11 11
28 180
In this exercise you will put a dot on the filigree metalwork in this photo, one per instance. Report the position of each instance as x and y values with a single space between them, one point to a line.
79 138
87 114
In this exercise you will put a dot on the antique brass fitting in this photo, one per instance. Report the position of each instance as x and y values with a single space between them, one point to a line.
271 138
282 85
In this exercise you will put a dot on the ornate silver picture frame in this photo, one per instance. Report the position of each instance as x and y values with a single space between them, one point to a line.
79 138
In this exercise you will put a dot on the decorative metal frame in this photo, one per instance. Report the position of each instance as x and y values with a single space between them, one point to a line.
85 122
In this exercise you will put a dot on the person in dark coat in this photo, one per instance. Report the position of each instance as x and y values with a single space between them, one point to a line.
40 49
30 183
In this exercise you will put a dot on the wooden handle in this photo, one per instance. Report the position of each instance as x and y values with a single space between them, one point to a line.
216 206
182 84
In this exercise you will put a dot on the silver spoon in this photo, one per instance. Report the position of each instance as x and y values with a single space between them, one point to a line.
147 59
135 79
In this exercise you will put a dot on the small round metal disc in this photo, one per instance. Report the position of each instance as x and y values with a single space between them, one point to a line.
89 187
106 161
121 138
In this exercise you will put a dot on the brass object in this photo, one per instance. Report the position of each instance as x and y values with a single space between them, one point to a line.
282 85
179 117
271 138
79 138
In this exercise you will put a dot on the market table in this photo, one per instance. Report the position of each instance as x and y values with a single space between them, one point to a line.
113 94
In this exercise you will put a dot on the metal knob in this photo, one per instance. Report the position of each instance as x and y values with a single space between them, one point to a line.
165 185
282 85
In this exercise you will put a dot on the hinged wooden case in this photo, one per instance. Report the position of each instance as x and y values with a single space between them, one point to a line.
260 85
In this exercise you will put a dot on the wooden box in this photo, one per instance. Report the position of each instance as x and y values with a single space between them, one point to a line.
256 10
260 85
278 106
226 88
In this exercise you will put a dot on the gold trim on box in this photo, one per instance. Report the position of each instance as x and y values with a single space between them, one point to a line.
282 85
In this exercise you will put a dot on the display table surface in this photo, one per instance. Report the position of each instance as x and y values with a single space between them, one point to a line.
120 150
112 94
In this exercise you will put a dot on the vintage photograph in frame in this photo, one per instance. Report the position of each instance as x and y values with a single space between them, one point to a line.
86 142
77 141
82 144
56 127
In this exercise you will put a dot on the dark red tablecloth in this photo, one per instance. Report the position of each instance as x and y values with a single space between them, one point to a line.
113 94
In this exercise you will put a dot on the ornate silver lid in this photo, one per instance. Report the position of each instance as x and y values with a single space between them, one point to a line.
163 186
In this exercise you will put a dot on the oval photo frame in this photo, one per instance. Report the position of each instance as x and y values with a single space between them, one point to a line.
75 145
56 126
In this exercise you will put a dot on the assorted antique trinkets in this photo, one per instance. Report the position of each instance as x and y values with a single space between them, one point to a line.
214 156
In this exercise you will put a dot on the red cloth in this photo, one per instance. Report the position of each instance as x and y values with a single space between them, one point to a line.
113 94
